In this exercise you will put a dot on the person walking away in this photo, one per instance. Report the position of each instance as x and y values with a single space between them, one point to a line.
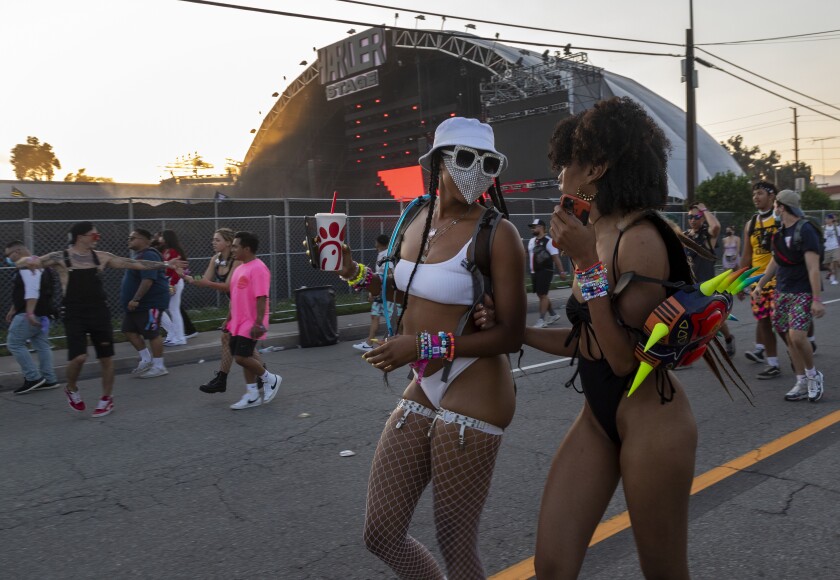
831 236
796 266
731 249
86 310
703 230
543 257
144 295
248 320
172 320
758 240
377 308
29 318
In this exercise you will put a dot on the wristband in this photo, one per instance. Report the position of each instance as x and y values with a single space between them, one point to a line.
816 299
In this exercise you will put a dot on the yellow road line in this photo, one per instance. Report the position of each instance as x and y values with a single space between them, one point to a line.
524 570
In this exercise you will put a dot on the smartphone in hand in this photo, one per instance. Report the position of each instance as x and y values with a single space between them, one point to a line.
577 206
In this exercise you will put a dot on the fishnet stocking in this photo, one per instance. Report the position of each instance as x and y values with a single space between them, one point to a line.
227 358
406 459
400 472
461 481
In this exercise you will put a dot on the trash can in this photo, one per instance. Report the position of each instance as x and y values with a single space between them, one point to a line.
317 319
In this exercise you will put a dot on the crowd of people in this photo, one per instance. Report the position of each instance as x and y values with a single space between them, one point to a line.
453 293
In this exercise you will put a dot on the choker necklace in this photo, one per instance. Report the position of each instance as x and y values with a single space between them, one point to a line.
765 215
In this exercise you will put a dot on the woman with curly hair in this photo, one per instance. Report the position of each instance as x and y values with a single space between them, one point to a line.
447 428
615 157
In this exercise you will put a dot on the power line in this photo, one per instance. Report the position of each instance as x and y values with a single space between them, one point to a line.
744 117
522 26
766 39
768 80
450 33
764 125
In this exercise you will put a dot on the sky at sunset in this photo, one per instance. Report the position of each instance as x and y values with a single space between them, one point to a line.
123 87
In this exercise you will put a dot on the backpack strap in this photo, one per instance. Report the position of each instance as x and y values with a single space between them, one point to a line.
67 263
477 263
95 258
395 244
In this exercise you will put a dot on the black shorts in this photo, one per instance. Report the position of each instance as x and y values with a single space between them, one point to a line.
146 323
242 346
96 322
541 280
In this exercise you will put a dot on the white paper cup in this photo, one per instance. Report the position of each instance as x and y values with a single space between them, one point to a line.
332 229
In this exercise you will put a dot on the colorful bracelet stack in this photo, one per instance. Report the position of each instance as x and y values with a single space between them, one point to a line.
593 281
361 280
433 346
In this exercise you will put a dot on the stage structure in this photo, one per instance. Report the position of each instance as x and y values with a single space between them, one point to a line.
357 119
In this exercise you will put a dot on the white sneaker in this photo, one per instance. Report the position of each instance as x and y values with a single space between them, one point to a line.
174 342
799 391
815 387
154 372
251 398
540 323
270 387
193 335
364 346
552 318
142 367
834 282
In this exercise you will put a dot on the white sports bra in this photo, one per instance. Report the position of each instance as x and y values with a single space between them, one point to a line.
445 282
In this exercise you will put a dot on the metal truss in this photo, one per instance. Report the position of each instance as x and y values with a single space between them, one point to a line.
310 74
461 47
553 75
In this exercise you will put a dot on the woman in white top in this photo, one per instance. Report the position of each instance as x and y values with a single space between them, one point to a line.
446 432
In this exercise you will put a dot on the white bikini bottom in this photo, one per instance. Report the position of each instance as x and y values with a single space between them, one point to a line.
436 388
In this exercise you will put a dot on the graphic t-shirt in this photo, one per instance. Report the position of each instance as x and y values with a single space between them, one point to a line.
247 283
830 234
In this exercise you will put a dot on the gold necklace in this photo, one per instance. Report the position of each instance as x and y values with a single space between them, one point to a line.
435 234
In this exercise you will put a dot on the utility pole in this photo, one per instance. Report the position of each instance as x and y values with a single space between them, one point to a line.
795 139
690 111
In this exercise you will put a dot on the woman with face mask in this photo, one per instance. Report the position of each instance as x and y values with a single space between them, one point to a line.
731 249
448 426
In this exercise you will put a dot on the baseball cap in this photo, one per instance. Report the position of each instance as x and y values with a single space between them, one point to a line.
790 199
537 222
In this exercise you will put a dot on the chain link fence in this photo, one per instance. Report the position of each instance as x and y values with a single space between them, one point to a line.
279 225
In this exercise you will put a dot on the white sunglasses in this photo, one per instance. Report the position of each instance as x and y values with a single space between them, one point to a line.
466 157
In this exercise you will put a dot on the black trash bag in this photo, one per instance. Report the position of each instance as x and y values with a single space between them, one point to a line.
317 319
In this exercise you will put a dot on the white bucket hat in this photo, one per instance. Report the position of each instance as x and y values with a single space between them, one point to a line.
462 131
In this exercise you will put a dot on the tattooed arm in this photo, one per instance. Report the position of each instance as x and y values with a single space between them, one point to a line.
110 260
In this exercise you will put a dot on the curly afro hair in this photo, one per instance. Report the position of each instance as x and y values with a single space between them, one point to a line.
621 135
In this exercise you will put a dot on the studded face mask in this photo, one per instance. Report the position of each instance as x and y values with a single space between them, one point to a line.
472 183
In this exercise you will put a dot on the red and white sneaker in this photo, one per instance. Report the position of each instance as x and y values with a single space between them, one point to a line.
75 400
104 407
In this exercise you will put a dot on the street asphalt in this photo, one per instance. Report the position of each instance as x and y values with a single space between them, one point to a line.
174 484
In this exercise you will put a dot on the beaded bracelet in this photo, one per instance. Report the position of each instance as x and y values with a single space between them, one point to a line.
435 346
593 281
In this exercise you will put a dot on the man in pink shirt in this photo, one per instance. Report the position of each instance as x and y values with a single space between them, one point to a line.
248 320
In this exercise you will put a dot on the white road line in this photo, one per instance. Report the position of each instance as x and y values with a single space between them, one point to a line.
830 301
542 364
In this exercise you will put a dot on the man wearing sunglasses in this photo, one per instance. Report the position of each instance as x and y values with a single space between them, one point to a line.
86 308
703 229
